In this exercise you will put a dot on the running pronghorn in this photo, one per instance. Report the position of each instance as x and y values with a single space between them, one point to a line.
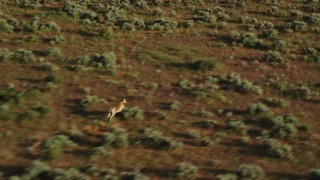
114 110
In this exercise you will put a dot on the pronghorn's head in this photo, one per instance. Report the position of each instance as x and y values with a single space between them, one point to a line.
124 101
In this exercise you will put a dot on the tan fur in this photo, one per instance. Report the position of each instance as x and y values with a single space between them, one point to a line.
114 110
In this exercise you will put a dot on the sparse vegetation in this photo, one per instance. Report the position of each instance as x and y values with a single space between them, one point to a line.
217 84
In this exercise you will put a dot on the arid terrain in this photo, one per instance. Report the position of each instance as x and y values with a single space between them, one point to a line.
215 89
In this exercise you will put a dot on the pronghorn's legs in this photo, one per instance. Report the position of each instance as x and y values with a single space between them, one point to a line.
110 114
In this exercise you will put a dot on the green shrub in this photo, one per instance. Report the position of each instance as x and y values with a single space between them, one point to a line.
115 15
5 26
234 35
238 125
101 151
36 169
250 40
42 110
275 102
106 61
23 56
265 25
9 94
297 25
278 150
247 20
296 13
302 92
51 78
28 4
90 100
259 109
133 175
156 140
227 177
175 105
134 113
158 12
185 171
50 67
205 64
5 54
204 16
55 145
284 131
234 81
314 18
223 16
162 24
115 137
273 57
270 33
59 39
79 10
33 25
273 10
107 33
5 113
27 116
310 51
186 24
207 124
284 126
54 52
141 4
41 170
50 26
279 45
205 141
31 38
193 134
250 172
2 2
133 25
32 94
286 119
5 134
203 113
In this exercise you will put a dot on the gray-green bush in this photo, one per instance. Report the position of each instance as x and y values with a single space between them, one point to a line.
278 150
250 172
273 57
155 139
133 175
105 61
115 137
185 171
234 81
55 145
134 113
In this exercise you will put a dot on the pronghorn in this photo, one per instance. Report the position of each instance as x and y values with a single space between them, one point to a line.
114 110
